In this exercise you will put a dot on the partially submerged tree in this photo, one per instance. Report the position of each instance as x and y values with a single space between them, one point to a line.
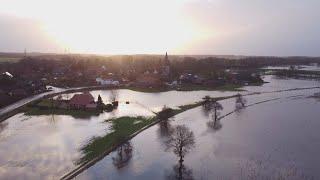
181 141
211 105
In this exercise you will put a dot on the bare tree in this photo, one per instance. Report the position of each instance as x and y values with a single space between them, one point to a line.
181 142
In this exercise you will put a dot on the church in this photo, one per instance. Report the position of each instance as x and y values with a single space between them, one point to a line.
165 67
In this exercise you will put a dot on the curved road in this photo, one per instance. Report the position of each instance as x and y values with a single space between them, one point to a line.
25 101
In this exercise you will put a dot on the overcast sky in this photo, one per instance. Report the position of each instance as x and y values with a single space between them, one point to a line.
238 27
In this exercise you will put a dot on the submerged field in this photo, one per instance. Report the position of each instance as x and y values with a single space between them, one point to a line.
53 144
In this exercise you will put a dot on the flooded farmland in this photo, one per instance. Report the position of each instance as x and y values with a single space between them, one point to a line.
271 135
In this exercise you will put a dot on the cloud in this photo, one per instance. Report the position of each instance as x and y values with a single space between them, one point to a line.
248 27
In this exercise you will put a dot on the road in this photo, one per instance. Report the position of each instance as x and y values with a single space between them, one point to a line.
25 101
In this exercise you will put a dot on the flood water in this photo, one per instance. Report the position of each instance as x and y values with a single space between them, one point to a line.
278 138
281 132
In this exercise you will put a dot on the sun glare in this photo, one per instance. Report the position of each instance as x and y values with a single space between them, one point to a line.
119 27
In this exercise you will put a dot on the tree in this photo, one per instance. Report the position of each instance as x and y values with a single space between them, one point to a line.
181 141
210 105
165 113
240 102
99 102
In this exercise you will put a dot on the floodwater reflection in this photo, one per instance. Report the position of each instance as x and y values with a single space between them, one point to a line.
214 125
165 128
180 172
123 155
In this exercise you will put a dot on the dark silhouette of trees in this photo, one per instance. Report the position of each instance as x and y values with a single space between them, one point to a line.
123 155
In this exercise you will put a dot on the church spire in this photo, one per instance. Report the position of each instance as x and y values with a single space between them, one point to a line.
166 59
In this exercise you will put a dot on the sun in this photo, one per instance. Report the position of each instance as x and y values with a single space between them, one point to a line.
121 27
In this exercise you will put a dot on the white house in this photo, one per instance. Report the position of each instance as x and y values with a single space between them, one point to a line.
107 82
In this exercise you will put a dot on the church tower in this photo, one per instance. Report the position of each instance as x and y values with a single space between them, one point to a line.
166 60
166 67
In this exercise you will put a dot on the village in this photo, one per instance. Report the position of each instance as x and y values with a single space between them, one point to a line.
160 75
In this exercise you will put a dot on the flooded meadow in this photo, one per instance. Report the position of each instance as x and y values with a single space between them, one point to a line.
271 135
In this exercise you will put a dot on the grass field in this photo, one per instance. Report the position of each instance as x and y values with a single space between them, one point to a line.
9 59
121 129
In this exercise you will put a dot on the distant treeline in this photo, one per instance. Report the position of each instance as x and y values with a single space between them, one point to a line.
131 64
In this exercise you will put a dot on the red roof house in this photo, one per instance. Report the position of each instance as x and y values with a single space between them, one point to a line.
82 101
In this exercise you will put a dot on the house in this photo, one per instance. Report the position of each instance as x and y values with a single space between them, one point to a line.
107 82
82 101
190 78
148 81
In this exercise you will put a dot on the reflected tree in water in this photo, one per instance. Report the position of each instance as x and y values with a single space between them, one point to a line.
181 141
123 155
240 102
215 125
165 128
180 172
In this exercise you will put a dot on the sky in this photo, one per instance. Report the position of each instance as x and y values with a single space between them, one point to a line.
192 27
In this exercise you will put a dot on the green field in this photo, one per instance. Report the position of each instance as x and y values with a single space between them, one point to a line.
121 129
